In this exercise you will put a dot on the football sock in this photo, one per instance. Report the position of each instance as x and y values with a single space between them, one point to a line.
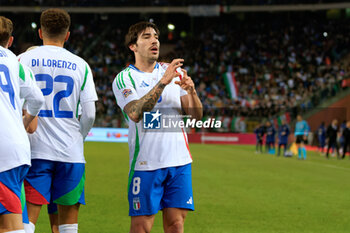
304 152
29 227
299 153
18 231
68 228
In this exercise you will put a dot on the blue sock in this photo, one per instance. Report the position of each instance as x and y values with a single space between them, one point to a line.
299 153
304 152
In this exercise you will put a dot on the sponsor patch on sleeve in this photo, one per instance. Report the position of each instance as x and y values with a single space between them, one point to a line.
126 93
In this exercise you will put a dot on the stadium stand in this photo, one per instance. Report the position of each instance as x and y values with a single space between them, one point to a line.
288 63
279 66
94 3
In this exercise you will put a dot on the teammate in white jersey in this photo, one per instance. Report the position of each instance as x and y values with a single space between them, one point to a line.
15 84
58 164
160 161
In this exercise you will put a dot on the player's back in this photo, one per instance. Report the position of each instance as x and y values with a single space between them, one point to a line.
65 79
14 144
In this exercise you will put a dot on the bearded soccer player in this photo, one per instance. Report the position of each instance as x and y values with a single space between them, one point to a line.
58 163
15 84
160 176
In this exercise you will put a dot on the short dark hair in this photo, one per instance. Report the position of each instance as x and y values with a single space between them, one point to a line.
54 22
6 28
136 29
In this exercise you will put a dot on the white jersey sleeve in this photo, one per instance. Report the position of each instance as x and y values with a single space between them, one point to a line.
88 91
87 117
30 91
124 89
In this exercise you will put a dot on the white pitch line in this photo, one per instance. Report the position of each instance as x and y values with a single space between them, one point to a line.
328 165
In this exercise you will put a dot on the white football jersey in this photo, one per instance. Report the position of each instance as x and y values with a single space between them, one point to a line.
65 81
15 83
152 149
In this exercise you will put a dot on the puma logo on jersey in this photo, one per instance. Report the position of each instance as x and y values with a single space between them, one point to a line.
143 84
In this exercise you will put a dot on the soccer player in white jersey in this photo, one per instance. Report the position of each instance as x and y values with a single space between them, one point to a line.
160 162
15 84
58 163
52 207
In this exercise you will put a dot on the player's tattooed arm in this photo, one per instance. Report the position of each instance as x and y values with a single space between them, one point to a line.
136 108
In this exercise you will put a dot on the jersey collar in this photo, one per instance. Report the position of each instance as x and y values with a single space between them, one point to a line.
134 68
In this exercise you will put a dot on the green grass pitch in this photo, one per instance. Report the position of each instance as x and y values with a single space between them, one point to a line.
235 190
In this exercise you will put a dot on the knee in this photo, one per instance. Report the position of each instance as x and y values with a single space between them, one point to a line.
140 227
176 226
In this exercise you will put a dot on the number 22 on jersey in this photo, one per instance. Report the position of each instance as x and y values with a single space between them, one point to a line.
48 90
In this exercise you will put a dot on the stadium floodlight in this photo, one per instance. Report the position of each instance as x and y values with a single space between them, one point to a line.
33 25
171 27
325 34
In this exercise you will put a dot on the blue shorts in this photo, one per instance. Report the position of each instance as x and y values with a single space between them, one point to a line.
58 182
11 182
151 191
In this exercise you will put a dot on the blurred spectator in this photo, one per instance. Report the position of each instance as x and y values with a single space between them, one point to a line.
346 135
332 133
270 138
283 134
321 133
259 132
